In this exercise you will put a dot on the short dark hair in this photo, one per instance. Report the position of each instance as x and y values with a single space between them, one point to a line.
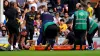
69 21
32 7
12 4
66 12
80 6
57 13
62 20
88 2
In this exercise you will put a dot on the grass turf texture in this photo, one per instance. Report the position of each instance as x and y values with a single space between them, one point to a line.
50 53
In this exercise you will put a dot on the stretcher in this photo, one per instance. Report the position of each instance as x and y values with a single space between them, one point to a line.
60 47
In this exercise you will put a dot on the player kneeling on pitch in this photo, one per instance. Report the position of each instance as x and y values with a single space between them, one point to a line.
90 34
70 36
51 30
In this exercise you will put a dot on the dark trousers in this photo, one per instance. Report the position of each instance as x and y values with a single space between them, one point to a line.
50 42
79 38
90 37
71 38
40 38
30 31
50 35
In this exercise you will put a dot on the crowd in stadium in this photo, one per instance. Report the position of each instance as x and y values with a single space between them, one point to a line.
48 19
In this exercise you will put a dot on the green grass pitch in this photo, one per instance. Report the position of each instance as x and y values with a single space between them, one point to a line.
50 53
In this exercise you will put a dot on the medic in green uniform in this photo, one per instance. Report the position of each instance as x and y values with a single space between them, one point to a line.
51 30
80 26
90 34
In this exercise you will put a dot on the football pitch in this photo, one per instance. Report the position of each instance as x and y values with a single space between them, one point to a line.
50 53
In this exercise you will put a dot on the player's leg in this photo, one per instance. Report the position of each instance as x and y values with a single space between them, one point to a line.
11 36
83 40
90 38
52 41
90 41
40 38
31 33
79 38
27 29
50 34
18 39
4 30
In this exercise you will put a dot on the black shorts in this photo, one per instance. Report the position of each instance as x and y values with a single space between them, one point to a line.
71 38
13 28
51 31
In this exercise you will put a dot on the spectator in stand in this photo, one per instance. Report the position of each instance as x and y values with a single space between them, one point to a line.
90 10
6 5
84 3
18 9
59 7
24 12
97 10
37 24
38 21
32 3
4 30
41 9
63 27
25 9
42 2
57 18
65 8
25 5
22 19
53 2
66 17
64 1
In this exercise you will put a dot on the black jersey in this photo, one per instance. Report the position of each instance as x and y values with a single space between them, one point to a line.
29 17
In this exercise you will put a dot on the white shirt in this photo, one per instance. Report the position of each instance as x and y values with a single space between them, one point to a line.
2 20
55 20
40 4
30 0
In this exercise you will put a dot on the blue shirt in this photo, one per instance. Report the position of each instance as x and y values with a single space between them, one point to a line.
46 17
59 7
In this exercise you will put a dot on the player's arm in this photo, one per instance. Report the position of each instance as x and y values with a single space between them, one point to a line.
96 5
92 11
55 9
88 25
26 16
62 10
74 23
